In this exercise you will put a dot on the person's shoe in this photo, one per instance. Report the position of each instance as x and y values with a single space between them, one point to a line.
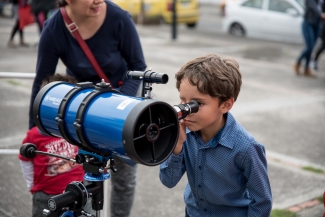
296 67
11 44
23 44
309 73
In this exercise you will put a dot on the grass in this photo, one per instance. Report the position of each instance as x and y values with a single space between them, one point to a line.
282 213
320 199
312 169
15 83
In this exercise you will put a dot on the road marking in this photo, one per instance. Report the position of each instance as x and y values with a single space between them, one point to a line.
9 151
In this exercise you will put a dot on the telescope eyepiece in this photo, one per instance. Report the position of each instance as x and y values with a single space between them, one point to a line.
183 110
148 76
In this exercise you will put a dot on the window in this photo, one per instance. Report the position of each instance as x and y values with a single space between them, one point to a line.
253 3
279 6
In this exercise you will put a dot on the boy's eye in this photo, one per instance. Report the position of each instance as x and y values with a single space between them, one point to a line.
199 103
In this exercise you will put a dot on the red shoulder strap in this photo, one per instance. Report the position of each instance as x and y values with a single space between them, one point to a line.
74 30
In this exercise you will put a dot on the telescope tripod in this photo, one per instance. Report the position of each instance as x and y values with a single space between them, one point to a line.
75 196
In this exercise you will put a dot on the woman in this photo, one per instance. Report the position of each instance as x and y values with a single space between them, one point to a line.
310 29
112 37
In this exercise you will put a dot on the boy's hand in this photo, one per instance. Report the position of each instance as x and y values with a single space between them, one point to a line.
181 138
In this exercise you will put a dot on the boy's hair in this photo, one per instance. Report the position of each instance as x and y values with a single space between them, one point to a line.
212 75
58 77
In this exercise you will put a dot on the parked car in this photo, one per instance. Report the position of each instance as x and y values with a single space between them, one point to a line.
278 20
161 10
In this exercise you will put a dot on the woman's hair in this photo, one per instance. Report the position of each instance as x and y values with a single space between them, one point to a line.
212 75
62 3
58 77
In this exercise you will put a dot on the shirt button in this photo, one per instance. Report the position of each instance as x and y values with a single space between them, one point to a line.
205 209
199 186
200 167
201 199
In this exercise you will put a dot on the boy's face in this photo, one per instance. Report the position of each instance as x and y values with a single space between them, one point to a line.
209 118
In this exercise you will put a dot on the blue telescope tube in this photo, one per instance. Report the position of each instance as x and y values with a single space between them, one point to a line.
106 122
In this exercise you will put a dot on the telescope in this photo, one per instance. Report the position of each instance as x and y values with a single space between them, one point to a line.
104 123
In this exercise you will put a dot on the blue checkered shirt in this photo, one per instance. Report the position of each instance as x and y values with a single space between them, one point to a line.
227 176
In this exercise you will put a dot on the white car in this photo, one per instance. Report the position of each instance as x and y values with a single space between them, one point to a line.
278 20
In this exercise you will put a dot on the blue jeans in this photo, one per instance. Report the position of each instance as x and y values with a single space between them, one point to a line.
310 33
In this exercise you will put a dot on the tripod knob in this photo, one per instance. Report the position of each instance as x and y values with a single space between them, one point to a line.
27 150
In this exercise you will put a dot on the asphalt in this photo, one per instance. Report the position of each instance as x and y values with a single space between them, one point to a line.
283 111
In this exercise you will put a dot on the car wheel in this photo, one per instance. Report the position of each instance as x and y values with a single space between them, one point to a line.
191 25
237 29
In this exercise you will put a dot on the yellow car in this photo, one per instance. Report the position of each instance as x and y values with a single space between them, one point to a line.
187 10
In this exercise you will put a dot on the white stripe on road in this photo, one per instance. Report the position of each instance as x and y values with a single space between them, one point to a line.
9 151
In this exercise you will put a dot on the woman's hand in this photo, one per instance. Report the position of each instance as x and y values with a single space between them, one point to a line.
181 138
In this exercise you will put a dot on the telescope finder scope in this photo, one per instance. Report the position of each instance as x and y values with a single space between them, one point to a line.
148 76
183 110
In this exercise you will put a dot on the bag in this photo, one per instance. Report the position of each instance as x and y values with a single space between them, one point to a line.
26 17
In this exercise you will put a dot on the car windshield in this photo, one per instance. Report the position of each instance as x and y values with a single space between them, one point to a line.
301 2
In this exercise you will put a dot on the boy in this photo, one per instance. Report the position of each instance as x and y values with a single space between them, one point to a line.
226 168
47 176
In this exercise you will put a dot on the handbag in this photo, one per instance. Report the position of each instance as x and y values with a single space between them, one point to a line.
26 17
74 30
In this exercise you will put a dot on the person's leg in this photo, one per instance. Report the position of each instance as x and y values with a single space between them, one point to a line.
15 28
303 52
318 52
123 188
320 48
22 42
39 23
313 36
40 203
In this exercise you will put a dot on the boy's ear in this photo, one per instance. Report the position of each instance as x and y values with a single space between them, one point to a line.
227 105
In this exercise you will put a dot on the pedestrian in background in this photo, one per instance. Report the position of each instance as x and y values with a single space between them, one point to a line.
15 6
111 36
41 10
226 167
310 30
47 176
321 48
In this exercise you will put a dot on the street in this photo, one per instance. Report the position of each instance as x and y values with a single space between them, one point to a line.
282 111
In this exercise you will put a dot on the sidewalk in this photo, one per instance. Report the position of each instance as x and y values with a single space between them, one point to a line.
261 106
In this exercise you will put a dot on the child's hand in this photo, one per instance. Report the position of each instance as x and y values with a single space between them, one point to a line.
181 138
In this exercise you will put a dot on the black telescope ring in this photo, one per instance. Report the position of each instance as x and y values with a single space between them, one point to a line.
80 117
62 108
37 104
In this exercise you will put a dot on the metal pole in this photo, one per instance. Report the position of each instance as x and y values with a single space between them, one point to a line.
174 21
17 75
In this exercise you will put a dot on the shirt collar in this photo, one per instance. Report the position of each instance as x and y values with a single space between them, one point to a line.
223 137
